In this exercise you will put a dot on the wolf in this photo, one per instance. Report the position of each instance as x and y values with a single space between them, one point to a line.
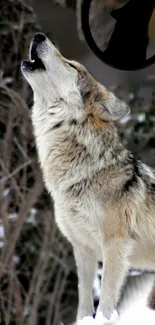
104 198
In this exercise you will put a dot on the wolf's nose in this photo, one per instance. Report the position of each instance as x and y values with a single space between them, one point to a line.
39 37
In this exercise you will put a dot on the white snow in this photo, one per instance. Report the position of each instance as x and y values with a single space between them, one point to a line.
134 316
26 312
98 320
1 244
12 216
93 321
32 217
131 96
16 259
87 321
141 117
1 231
97 284
6 192
137 316
96 288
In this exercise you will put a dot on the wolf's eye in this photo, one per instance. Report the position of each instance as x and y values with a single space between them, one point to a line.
72 66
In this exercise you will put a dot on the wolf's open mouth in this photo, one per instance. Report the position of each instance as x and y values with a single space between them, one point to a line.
34 62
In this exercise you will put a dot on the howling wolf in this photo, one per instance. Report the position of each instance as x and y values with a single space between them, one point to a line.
104 198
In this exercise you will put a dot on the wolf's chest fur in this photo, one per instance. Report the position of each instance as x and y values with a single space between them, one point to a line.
91 178
72 156
79 166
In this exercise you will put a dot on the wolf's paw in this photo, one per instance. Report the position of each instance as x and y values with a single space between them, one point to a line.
100 319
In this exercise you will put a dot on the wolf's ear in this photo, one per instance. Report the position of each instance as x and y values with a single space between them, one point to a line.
112 109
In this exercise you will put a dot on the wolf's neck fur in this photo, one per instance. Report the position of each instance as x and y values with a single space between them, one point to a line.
74 151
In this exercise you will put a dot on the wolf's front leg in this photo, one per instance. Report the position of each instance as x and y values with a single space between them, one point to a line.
86 263
115 267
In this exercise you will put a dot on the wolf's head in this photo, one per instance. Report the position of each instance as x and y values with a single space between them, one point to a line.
57 81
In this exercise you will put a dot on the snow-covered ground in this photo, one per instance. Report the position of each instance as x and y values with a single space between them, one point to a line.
134 316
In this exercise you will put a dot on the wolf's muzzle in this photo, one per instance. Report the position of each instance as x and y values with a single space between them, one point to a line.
34 62
36 43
